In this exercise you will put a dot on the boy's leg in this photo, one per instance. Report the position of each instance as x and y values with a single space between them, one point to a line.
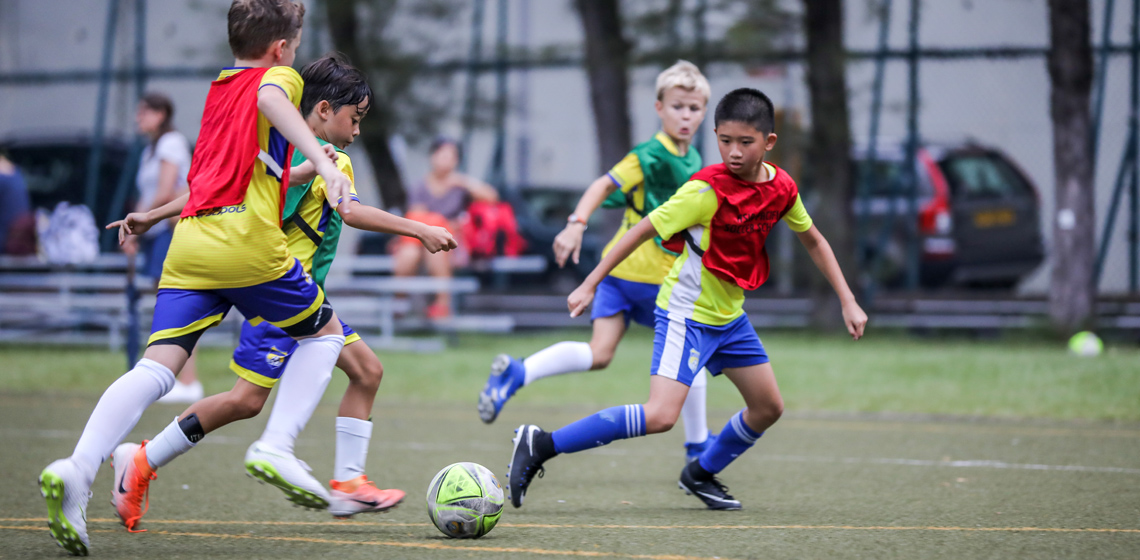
616 303
533 446
135 465
180 317
351 491
758 385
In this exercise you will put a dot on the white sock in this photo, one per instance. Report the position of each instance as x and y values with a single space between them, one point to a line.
564 357
352 436
119 409
167 446
302 385
693 412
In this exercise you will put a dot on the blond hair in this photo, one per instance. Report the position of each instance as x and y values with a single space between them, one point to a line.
684 75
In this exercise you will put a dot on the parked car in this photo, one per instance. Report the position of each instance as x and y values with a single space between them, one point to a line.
978 216
55 170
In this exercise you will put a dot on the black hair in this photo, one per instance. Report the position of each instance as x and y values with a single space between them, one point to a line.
331 78
747 105
441 141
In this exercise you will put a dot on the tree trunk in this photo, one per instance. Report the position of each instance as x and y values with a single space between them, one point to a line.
607 57
827 171
1072 293
374 133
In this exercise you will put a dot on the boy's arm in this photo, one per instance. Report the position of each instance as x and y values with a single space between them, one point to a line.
306 171
824 259
275 105
137 223
569 242
368 218
580 298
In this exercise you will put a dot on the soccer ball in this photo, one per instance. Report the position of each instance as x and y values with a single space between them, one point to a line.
465 500
1086 344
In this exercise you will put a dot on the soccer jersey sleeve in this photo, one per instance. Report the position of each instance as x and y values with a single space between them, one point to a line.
627 173
287 79
797 218
694 203
345 165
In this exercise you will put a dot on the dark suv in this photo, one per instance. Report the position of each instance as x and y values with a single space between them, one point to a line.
55 170
978 216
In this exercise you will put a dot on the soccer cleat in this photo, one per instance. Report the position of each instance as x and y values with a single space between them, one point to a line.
287 473
714 494
507 375
360 495
693 450
183 393
133 474
66 493
525 463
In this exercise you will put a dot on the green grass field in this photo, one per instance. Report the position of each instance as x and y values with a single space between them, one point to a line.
892 447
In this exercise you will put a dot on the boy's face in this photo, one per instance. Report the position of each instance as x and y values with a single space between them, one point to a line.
343 125
743 147
681 112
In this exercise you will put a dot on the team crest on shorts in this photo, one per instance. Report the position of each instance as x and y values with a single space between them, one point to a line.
694 358
274 358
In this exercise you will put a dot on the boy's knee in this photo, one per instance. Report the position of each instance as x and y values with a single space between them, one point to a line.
768 412
245 406
602 357
369 375
657 422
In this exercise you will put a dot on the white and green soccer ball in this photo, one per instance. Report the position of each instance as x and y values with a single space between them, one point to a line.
465 500
1086 344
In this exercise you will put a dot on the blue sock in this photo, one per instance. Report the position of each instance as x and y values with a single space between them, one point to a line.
619 422
734 439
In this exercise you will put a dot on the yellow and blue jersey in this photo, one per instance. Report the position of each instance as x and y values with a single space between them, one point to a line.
243 244
691 291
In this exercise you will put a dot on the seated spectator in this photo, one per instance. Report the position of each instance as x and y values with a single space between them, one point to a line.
441 199
17 225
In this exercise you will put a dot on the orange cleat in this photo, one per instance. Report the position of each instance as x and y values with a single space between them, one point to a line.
360 495
130 493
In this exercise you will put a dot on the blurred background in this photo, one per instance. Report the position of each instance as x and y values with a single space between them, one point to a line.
920 132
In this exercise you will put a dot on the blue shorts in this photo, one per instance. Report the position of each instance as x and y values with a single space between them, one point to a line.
637 300
264 349
681 347
294 303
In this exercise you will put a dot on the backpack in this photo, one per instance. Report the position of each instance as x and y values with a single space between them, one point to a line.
68 235
491 230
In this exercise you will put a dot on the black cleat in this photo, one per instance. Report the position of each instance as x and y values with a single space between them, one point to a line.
526 462
714 494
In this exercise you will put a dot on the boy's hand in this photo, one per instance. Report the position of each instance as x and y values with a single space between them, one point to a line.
337 186
436 239
580 299
568 243
136 223
330 151
855 319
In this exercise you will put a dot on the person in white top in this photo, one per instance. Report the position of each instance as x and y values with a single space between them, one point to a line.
161 178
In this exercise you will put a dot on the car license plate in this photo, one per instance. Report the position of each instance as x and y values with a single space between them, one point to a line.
994 218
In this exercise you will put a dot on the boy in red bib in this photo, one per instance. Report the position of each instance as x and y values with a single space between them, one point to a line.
718 222
228 251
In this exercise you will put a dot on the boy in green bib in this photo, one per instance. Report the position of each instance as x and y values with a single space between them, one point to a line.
643 180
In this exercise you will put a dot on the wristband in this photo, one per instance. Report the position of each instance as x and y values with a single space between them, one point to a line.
575 219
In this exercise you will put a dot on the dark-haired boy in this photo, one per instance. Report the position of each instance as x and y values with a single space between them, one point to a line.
718 221
228 250
336 98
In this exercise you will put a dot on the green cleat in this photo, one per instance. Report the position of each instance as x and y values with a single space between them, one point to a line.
288 473
66 493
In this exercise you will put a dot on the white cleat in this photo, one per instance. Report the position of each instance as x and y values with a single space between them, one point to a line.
290 474
65 489
183 393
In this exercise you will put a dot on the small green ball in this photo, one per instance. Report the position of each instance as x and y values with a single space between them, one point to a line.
1086 344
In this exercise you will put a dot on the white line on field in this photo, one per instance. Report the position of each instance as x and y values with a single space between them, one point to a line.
420 446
